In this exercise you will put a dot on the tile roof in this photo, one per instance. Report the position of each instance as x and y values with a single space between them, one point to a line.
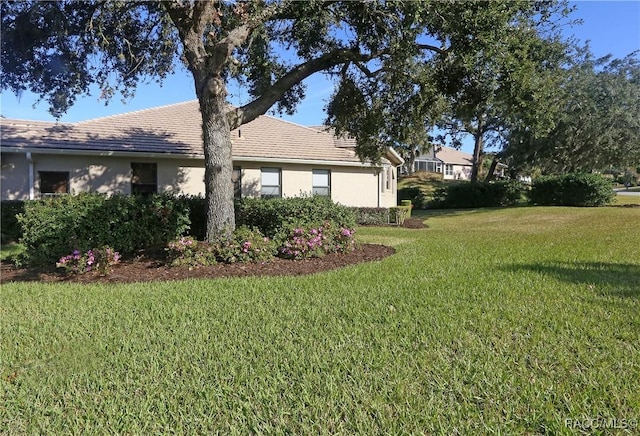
176 130
452 156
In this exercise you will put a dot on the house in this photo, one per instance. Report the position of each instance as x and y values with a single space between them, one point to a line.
160 150
451 163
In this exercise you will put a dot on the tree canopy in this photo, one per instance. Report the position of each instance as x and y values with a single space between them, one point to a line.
597 124
392 61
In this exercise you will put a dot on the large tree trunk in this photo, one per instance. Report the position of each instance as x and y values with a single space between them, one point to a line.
218 161
477 154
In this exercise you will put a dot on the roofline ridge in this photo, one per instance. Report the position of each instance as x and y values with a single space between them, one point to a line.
292 123
57 122
136 111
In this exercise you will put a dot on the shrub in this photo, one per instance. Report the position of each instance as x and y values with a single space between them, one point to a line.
270 216
371 216
303 242
399 214
56 226
246 245
98 259
477 194
575 189
10 229
413 194
407 204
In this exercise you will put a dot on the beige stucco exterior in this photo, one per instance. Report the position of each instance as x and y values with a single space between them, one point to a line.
351 184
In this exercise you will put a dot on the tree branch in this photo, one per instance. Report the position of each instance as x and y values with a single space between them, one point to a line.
432 48
259 106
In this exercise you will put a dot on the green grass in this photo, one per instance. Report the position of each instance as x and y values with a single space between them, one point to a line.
502 321
627 199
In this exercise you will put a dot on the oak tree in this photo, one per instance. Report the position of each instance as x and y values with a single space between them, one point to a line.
597 124
381 54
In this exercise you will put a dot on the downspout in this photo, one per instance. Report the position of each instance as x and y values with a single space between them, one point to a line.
379 187
32 192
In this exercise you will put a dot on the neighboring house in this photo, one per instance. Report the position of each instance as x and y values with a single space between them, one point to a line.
160 150
451 163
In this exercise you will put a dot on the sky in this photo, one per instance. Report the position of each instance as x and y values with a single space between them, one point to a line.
612 27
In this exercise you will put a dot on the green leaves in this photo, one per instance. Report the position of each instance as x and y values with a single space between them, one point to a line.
596 125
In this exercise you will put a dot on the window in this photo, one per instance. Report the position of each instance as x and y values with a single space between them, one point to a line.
448 170
428 165
144 178
236 178
270 181
321 183
388 179
54 182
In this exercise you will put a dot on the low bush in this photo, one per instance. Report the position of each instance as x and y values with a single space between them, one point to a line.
399 214
246 245
10 229
302 242
575 189
477 194
54 227
272 215
371 216
98 259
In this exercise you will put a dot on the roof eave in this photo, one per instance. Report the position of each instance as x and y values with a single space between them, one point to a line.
150 155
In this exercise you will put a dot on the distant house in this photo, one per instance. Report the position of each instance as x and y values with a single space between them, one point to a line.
160 150
451 163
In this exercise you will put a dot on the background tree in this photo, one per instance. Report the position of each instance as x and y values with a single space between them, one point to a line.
597 124
492 68
495 88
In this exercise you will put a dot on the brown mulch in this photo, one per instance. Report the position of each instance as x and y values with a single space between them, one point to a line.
414 223
150 266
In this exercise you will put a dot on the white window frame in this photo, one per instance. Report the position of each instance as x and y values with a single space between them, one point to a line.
318 186
448 170
270 188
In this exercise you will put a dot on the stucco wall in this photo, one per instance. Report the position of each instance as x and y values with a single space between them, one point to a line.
14 176
351 186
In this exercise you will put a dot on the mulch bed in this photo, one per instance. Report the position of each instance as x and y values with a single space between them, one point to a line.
150 266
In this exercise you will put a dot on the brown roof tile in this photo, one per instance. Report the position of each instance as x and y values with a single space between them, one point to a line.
176 130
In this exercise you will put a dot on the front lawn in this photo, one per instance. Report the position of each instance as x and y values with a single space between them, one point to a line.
513 321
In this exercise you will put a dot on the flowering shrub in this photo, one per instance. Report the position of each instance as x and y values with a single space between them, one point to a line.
315 241
187 251
98 259
245 246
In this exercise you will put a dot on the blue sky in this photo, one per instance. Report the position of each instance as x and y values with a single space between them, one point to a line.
611 26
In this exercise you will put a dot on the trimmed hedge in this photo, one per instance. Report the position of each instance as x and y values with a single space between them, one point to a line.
10 229
414 194
477 194
55 227
272 215
574 189
371 216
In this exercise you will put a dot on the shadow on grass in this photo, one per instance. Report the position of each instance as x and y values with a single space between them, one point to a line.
619 279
